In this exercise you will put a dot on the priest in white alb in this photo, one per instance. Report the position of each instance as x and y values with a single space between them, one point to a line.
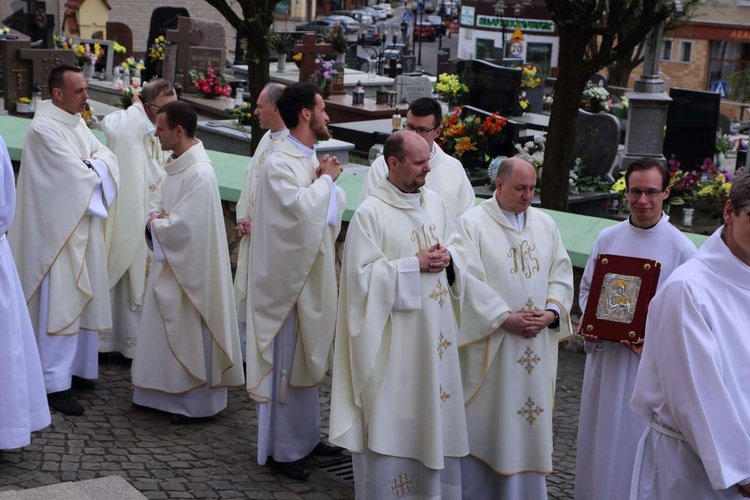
268 115
188 349
22 392
516 311
292 293
397 398
692 385
130 136
447 176
608 432
66 182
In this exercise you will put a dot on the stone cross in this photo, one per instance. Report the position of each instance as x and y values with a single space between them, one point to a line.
310 49
184 37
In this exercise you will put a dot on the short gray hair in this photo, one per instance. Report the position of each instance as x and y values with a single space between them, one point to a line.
274 91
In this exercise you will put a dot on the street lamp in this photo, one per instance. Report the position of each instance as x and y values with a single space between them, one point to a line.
500 12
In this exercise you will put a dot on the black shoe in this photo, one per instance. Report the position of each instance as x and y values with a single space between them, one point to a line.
65 403
82 384
326 450
180 419
291 470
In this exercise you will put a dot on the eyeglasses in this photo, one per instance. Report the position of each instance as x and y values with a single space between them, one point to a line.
152 105
419 130
650 193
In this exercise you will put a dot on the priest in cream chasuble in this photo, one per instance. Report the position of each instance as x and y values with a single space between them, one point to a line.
268 115
66 182
292 295
397 398
130 136
188 351
524 286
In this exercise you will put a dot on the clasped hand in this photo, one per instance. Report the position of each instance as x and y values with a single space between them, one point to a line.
434 259
329 165
243 226
528 324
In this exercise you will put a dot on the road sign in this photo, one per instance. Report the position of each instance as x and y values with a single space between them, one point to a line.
720 88
516 49
408 17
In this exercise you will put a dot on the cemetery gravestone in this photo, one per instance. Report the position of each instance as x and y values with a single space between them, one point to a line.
409 88
120 33
692 119
536 95
597 140
162 19
598 80
198 44
105 64
26 67
408 64
310 49
491 87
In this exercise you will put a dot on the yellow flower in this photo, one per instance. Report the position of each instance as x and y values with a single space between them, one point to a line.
706 191
726 187
619 185
463 145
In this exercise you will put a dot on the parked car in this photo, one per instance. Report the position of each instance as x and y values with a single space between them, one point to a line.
394 51
437 24
388 9
424 30
377 14
350 14
371 36
318 26
347 22
362 17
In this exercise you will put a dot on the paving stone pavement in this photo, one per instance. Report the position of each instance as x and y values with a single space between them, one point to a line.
213 459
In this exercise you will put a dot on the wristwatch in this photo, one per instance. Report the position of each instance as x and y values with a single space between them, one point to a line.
556 322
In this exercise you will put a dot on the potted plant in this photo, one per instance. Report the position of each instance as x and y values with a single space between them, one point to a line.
325 73
211 84
280 43
337 39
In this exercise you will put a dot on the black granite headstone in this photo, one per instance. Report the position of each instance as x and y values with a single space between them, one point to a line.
491 87
597 139
162 19
692 119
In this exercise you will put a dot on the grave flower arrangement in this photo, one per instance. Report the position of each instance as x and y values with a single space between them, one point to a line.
472 134
530 78
156 51
120 50
706 188
450 87
337 39
619 108
211 84
86 54
242 114
126 96
4 31
532 151
325 72
597 96
522 105
131 64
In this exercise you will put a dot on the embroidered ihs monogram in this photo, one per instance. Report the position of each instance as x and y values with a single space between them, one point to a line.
524 260
424 237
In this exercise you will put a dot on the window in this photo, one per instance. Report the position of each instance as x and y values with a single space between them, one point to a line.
743 3
686 51
666 50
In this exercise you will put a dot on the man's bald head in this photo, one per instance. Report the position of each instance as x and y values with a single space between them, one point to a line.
407 155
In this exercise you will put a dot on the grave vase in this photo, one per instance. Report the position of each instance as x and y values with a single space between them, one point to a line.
338 83
281 62
88 70
327 89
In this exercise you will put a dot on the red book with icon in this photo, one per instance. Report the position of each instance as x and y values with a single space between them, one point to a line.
621 289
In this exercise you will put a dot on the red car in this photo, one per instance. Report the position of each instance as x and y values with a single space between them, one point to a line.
424 30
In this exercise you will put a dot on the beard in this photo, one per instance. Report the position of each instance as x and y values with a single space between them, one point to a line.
320 128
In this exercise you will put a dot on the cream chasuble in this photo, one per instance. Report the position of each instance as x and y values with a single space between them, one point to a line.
24 399
446 177
509 380
53 233
396 380
291 265
190 288
246 209
604 462
692 385
130 136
